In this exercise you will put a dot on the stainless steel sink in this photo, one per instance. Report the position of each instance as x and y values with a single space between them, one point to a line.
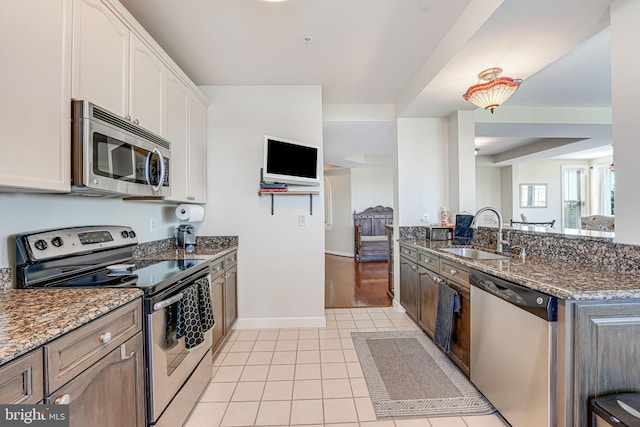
473 253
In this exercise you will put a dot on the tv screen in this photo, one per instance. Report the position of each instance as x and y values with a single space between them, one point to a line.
290 162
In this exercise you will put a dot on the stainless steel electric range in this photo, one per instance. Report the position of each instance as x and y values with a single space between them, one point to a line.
177 367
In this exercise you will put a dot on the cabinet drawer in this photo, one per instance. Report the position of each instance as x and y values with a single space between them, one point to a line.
432 262
455 272
74 352
230 259
217 268
409 252
21 381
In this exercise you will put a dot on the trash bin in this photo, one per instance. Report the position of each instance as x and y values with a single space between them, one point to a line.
622 409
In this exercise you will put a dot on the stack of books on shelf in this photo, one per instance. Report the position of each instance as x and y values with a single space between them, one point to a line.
275 187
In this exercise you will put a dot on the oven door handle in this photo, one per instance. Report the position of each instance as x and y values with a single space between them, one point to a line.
167 302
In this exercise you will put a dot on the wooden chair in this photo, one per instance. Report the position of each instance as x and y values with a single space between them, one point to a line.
370 234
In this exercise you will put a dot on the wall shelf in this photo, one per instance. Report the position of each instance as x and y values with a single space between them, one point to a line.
290 193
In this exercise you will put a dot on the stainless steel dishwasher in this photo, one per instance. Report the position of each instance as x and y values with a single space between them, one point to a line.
514 349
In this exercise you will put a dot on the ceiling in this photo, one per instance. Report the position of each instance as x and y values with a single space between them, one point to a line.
419 55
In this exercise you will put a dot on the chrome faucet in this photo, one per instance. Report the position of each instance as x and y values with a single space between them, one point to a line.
474 224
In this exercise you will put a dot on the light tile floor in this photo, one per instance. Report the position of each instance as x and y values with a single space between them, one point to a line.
307 376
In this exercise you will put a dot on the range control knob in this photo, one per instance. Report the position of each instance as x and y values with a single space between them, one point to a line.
124 234
40 245
132 234
57 242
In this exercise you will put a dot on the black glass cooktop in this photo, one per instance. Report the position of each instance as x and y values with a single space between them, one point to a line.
151 276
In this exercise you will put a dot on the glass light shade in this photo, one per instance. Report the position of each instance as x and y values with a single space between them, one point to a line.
494 91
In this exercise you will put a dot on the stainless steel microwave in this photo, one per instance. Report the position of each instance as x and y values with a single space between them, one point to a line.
111 156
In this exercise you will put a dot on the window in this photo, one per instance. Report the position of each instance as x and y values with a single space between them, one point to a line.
533 195
573 195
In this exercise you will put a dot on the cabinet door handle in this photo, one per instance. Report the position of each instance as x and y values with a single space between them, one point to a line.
123 352
136 122
62 400
413 267
453 272
128 118
105 338
427 260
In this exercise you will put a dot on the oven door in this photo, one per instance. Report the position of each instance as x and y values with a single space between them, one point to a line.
169 362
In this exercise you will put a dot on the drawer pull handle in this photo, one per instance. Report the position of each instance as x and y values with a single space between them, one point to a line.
105 338
453 272
63 400
123 353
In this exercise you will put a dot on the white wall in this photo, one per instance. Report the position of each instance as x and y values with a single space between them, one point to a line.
371 187
339 239
488 188
21 213
280 264
422 169
541 172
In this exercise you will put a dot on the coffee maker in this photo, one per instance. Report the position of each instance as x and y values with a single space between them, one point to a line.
186 237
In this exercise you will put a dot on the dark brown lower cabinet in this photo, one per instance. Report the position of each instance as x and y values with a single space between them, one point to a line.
409 287
230 297
428 297
217 297
461 331
110 392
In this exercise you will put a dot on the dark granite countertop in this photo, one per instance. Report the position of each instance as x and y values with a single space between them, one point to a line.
205 252
565 280
30 318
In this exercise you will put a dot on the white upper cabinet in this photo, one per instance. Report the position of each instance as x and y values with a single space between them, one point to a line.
113 68
100 57
197 151
56 50
146 81
176 121
185 127
35 113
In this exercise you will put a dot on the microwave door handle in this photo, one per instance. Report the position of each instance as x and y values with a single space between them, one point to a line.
160 172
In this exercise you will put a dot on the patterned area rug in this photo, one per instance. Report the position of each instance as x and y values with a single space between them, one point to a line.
408 376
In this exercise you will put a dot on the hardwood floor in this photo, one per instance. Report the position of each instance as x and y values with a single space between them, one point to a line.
355 284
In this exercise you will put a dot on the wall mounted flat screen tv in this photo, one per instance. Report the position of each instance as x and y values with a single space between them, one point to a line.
290 162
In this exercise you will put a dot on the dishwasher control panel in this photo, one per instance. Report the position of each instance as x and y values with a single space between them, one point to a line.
535 302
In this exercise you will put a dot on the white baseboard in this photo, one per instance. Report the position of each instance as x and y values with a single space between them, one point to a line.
398 306
338 253
280 322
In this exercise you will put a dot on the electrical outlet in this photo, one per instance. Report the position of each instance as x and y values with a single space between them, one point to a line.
302 221
152 225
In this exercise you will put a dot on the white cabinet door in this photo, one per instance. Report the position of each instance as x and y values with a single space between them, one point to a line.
146 80
176 126
100 57
35 80
197 151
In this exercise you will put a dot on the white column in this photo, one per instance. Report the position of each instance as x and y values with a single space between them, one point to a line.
625 93
462 163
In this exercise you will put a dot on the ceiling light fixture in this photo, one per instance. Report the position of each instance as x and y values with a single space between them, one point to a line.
491 90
